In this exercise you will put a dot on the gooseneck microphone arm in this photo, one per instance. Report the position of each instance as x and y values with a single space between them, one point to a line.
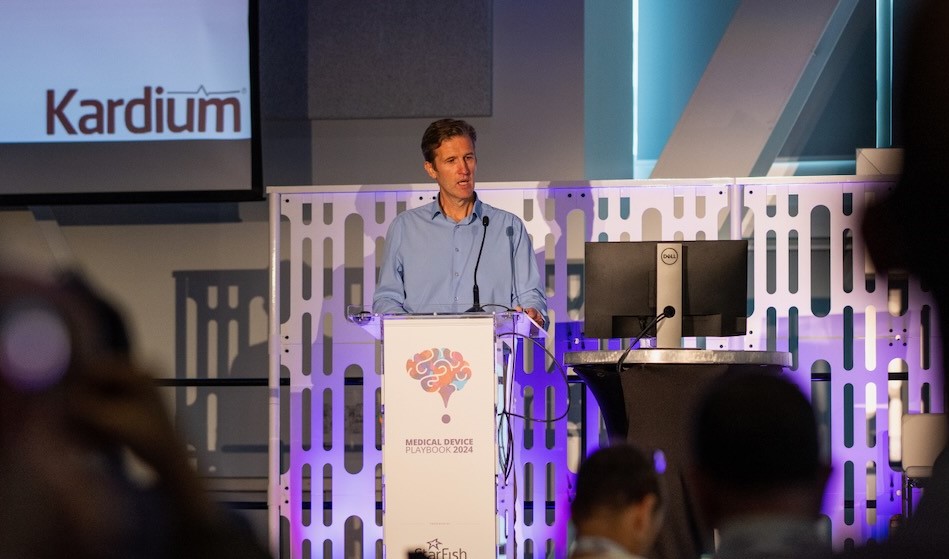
667 312
476 307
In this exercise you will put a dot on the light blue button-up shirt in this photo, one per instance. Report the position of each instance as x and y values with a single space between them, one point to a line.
429 263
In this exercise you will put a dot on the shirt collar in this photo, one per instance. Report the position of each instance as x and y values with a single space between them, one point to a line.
476 213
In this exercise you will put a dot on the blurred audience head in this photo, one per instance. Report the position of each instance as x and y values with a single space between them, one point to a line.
619 498
755 449
111 333
51 329
74 409
51 473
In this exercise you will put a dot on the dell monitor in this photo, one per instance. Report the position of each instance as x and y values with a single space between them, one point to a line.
627 285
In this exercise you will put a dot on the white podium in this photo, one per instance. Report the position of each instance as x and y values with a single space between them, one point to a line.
444 378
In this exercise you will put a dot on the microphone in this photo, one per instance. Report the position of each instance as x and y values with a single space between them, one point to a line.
476 307
668 312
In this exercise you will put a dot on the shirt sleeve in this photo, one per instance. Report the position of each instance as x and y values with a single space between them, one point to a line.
528 287
389 297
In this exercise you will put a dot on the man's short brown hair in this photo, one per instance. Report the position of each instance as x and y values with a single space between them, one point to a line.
440 130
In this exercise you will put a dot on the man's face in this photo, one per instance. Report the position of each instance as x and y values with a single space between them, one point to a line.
454 168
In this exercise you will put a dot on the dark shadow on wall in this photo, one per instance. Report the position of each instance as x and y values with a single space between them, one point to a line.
222 368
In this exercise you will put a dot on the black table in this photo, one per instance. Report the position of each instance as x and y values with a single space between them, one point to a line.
649 403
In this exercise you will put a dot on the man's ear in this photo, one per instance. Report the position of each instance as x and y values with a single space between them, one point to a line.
646 511
643 524
430 169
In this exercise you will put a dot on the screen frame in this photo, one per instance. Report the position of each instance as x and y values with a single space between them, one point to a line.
254 190
619 287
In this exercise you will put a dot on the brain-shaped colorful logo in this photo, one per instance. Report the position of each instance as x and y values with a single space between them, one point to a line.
439 370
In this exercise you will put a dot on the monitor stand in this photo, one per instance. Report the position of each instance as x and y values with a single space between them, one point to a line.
669 293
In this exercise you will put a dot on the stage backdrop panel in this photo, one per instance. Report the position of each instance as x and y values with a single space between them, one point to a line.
382 59
864 345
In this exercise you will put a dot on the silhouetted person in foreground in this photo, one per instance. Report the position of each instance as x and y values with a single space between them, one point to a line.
617 509
757 468
74 412
907 233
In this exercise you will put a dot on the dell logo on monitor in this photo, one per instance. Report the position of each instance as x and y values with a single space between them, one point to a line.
669 256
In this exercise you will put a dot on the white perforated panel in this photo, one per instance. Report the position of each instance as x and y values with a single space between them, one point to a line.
815 295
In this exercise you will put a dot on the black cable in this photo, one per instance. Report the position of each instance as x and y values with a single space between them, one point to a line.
506 454
508 451
563 374
667 312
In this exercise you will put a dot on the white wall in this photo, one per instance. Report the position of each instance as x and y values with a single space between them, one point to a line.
133 264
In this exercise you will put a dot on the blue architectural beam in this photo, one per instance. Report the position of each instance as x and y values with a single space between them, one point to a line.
753 89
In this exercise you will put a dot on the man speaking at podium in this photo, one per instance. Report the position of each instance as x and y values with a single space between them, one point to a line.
457 254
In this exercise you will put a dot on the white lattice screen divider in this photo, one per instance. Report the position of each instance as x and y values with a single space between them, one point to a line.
849 355
855 352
